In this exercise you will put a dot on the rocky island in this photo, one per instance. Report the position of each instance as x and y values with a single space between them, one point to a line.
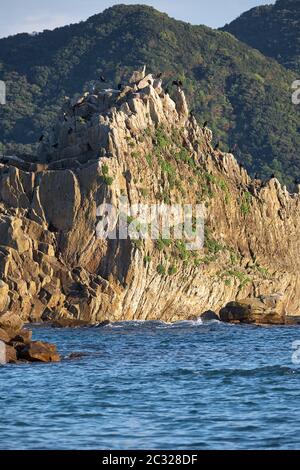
140 141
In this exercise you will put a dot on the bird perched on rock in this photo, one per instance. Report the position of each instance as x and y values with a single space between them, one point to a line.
256 177
217 146
102 79
167 91
297 181
205 124
65 117
41 138
159 75
120 86
272 176
177 83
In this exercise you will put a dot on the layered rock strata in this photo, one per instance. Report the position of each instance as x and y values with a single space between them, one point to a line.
142 144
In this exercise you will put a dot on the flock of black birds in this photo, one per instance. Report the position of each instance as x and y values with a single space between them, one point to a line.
179 84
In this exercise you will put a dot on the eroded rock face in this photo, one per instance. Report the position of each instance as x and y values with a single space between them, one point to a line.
139 143
4 336
10 321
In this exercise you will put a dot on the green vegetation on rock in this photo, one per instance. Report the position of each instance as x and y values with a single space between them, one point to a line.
245 97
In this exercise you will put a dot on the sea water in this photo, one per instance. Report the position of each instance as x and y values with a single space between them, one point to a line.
150 385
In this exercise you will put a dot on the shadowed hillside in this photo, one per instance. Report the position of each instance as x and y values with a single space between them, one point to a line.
272 29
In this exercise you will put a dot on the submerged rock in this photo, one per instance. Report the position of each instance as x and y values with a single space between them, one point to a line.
102 324
260 310
77 355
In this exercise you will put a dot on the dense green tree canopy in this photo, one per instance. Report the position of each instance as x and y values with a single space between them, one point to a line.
245 96
272 29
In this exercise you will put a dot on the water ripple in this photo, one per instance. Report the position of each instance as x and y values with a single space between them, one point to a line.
155 385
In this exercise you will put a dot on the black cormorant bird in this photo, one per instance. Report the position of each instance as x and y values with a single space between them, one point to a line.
65 117
120 86
167 91
41 138
272 176
177 83
217 146
205 124
159 75
102 79
297 181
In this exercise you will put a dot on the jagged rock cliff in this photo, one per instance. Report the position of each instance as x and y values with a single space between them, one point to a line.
141 143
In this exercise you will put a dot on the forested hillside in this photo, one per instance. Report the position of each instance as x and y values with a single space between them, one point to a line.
272 29
245 97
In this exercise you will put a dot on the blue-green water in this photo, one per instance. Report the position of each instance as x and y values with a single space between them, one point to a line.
158 386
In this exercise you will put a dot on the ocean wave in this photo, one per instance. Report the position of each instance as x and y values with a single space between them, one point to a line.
276 370
159 324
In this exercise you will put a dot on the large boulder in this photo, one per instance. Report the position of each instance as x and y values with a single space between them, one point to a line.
17 346
209 316
38 352
260 310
